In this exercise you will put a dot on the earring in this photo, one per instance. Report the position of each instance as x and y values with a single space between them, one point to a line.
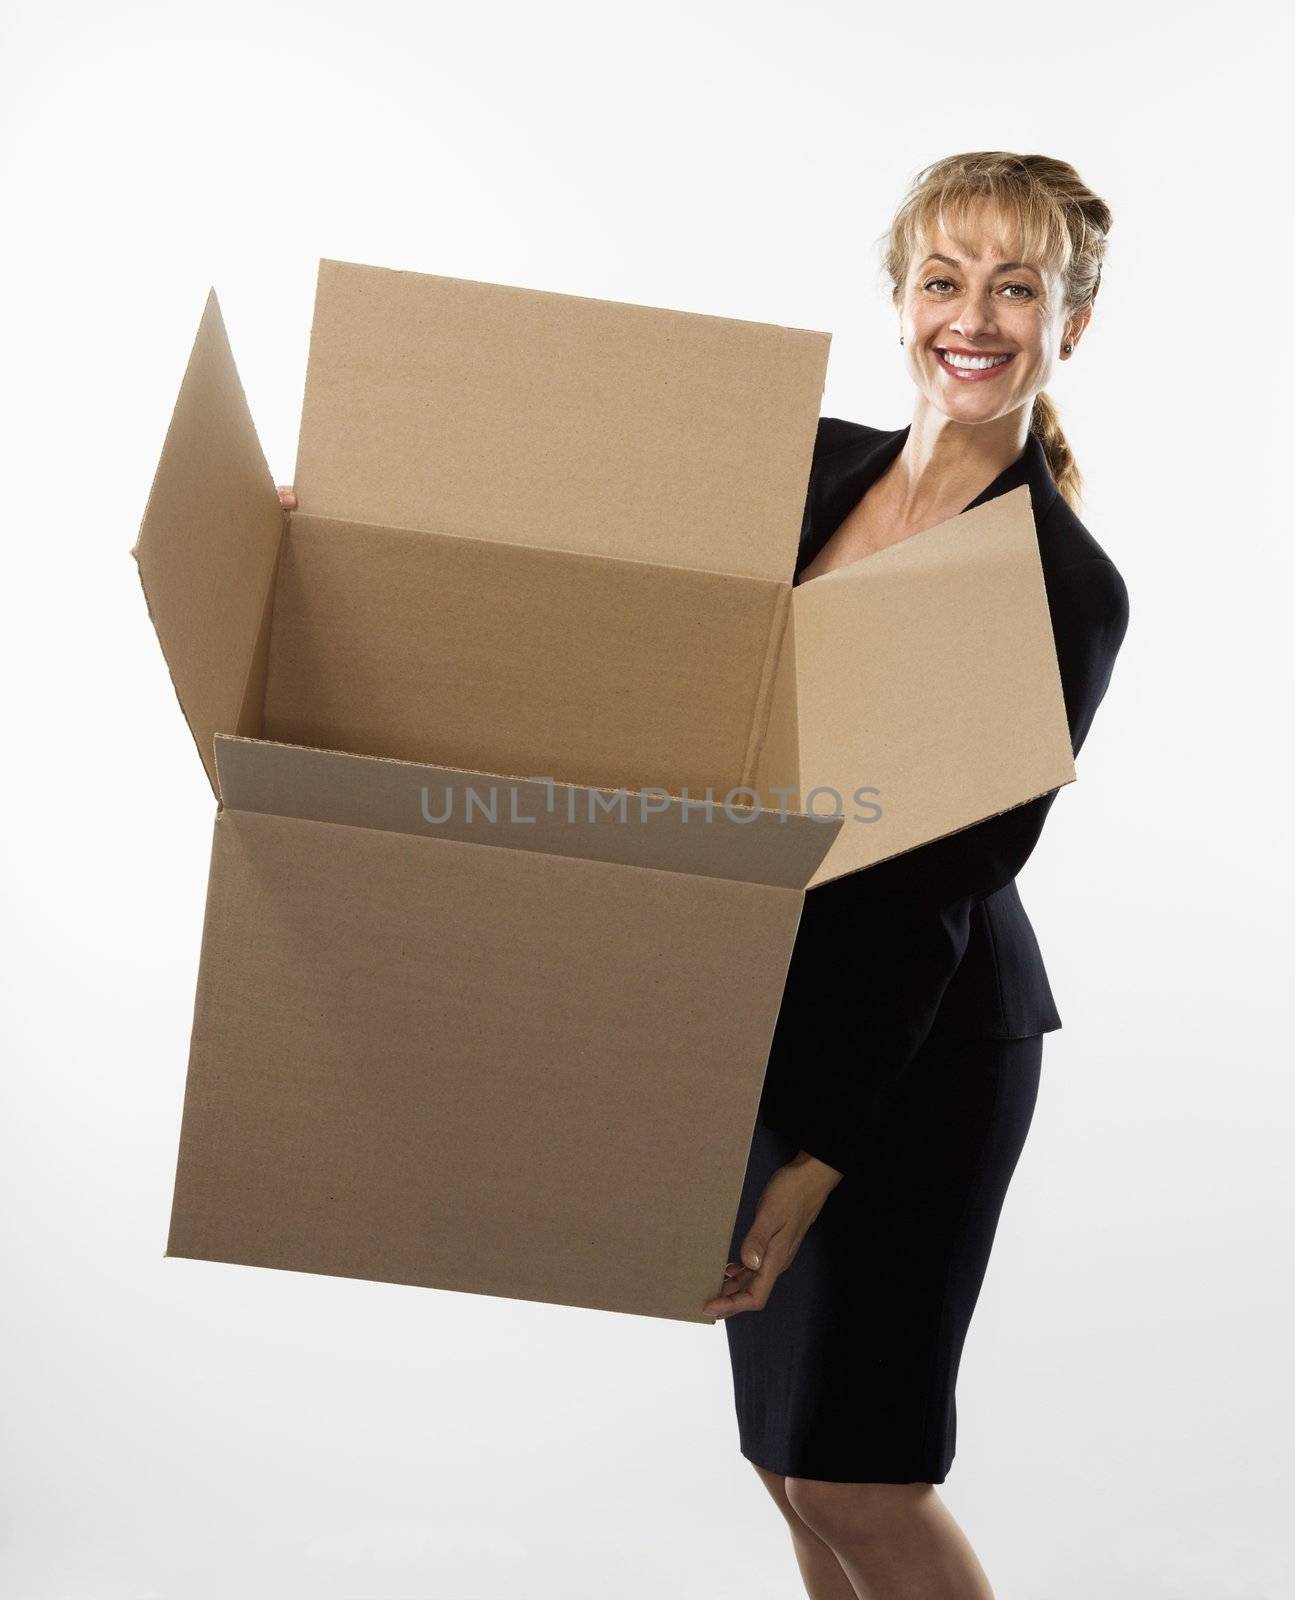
1067 347
901 338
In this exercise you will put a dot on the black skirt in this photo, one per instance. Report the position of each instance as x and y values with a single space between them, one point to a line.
848 1373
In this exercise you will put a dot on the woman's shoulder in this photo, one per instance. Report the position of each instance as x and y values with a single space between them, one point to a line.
1087 567
838 433
842 446
1074 537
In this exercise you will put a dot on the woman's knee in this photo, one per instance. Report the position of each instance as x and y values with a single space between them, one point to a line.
776 1484
857 1510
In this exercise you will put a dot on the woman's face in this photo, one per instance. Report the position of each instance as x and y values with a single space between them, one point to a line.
974 301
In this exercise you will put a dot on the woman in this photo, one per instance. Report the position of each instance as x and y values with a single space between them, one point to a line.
906 1058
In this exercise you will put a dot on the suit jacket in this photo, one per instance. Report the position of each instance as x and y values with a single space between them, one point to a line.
934 942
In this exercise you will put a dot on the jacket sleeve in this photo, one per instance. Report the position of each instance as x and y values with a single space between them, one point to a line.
876 949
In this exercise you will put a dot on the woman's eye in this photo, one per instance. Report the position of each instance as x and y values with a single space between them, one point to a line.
939 285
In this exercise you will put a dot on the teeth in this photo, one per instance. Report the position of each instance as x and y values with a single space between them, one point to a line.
974 362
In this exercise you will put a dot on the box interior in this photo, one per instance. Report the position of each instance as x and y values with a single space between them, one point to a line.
496 657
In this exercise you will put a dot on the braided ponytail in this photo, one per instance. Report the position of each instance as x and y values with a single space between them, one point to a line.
1056 447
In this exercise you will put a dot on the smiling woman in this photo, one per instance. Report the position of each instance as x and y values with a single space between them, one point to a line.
994 262
997 259
906 1058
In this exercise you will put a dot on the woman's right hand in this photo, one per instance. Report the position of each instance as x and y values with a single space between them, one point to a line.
287 497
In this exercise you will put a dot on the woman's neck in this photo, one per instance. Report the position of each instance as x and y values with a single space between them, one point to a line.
946 463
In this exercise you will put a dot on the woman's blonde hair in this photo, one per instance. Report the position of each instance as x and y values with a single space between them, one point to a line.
1062 224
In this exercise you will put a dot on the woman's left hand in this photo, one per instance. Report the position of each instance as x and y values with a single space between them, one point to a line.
791 1200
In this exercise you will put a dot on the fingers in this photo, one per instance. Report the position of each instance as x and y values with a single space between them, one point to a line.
749 1282
735 1278
735 1275
749 1291
770 1245
744 1289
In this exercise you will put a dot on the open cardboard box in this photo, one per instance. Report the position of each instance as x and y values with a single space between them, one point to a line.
542 558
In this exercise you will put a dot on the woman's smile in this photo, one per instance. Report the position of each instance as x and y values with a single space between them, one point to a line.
972 366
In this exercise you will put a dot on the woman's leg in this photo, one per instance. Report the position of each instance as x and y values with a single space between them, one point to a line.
892 1541
821 1572
899 1541
875 1404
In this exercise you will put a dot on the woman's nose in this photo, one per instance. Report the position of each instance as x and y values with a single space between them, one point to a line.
973 318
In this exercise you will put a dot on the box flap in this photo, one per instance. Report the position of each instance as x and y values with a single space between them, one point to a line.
928 672
523 813
558 421
207 546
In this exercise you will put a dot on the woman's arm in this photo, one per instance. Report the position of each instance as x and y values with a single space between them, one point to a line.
877 949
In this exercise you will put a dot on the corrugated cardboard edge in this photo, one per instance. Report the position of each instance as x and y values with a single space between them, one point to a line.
764 696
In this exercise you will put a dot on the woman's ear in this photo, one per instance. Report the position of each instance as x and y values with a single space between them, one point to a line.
1075 325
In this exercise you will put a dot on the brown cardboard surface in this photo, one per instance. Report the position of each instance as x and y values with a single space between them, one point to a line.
491 656
539 536
207 546
928 671
512 812
558 421
496 1071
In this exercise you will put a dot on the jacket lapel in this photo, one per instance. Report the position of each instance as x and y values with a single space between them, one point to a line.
846 472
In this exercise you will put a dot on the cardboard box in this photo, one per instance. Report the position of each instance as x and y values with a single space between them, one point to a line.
540 537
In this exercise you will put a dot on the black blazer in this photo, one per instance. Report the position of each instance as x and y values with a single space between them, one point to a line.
935 941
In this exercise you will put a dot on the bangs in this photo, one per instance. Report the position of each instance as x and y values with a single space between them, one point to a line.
1022 223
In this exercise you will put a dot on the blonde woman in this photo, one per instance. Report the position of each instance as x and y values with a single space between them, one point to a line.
907 1053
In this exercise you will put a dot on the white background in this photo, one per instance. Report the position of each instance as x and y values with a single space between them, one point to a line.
178 1430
